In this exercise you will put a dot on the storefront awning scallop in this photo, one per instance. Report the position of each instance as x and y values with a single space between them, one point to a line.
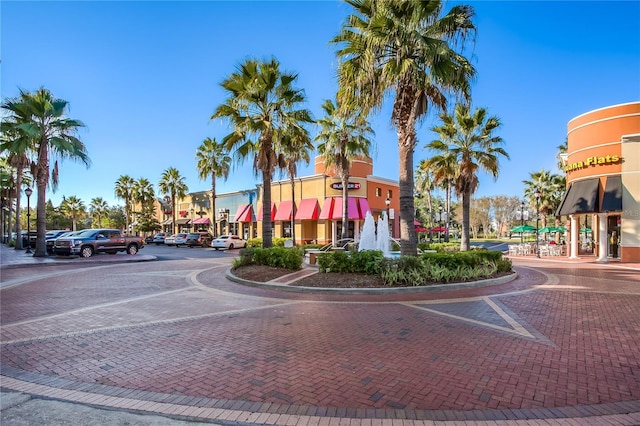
273 212
244 213
201 221
327 209
357 208
580 198
167 222
612 199
284 211
308 210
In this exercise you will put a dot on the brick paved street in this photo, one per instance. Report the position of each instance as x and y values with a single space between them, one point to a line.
177 338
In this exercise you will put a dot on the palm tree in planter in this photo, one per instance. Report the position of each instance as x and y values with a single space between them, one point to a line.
343 137
52 134
411 50
262 102
173 185
470 139
213 160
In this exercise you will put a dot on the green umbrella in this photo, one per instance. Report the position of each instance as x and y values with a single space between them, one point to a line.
523 228
585 230
551 229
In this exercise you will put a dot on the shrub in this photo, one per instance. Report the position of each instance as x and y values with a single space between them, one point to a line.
277 257
336 261
367 261
504 265
254 242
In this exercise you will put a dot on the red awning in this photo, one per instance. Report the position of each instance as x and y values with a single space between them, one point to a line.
273 212
284 211
327 208
308 209
439 229
353 213
244 213
200 221
363 204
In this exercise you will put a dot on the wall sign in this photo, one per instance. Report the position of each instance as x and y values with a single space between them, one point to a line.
350 185
592 161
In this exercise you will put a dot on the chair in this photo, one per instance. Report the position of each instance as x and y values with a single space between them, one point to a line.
544 250
513 250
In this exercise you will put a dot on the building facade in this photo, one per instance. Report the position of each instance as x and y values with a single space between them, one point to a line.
602 165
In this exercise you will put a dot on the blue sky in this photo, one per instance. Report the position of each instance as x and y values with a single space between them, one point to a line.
144 77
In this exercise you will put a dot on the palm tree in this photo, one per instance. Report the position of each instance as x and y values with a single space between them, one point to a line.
73 208
562 151
143 194
404 47
443 170
214 161
470 139
18 145
296 147
51 134
99 209
124 191
343 137
550 187
173 185
261 104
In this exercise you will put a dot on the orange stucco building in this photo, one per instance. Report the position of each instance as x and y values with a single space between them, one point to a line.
602 165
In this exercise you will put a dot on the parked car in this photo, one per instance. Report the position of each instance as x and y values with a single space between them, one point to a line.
52 236
177 240
228 242
159 238
202 239
148 239
91 241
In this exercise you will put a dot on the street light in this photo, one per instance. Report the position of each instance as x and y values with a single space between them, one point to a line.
522 222
537 194
387 203
28 192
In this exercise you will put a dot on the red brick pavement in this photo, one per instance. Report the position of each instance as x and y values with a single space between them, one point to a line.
560 341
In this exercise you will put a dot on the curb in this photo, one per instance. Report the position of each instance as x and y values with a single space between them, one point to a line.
381 291
54 261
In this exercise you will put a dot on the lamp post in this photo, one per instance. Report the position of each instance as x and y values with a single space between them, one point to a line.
537 194
387 203
28 192
522 222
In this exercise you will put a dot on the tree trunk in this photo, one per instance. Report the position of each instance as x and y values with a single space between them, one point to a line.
267 226
293 210
345 206
173 213
448 211
18 221
408 246
213 204
464 237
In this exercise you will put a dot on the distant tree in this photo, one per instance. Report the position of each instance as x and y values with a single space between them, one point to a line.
143 195
116 217
98 209
173 184
124 190
73 208
344 136
213 160
471 140
295 147
261 103
504 209
551 188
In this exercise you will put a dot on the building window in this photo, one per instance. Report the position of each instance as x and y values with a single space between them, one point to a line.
378 192
390 194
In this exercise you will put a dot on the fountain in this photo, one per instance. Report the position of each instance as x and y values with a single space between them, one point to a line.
368 234
369 240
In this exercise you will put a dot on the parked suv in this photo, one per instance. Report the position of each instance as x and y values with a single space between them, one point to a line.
201 238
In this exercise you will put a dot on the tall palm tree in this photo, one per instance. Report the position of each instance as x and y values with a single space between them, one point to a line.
98 209
52 134
261 103
73 208
18 144
143 194
173 185
343 136
213 160
124 191
295 147
406 48
470 139
443 170
550 186
562 150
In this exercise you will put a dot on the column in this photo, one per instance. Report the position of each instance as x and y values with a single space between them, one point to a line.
603 243
575 237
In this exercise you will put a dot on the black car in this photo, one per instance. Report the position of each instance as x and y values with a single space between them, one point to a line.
202 239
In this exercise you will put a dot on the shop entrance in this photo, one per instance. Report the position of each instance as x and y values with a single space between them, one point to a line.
613 236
